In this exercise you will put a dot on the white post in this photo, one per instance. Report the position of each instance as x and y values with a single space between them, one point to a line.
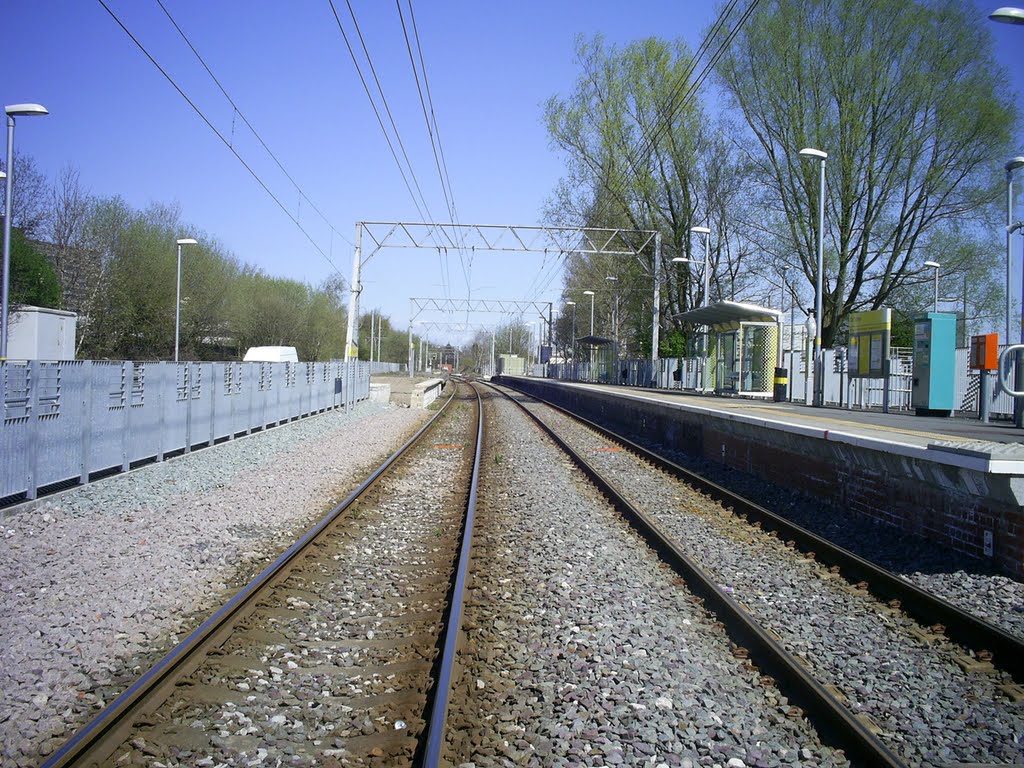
656 320
352 336
819 301
177 308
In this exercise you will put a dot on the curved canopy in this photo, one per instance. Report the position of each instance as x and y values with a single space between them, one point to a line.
729 312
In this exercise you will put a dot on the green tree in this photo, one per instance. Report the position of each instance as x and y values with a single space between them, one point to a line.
640 156
906 99
33 281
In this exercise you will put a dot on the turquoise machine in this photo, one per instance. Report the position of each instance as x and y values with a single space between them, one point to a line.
934 364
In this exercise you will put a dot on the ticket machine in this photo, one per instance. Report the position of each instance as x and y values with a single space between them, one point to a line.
932 390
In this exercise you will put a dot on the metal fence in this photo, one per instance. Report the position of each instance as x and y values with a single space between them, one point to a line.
839 389
378 367
63 421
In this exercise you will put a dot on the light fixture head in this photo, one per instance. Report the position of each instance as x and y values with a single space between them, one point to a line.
611 277
1008 15
570 303
701 230
815 153
1014 163
932 264
3 175
187 241
588 293
25 110
679 260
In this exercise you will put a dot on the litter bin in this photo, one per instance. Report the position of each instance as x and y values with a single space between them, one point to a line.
781 385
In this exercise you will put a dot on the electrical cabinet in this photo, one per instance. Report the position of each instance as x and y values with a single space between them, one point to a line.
934 375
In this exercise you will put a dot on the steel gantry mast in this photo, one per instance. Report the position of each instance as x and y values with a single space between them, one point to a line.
500 237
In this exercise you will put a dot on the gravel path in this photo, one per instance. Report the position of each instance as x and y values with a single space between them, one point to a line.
107 571
582 648
930 711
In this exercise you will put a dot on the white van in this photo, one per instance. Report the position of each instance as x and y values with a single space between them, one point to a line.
271 355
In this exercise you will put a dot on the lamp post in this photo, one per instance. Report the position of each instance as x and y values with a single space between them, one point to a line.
935 265
592 348
615 313
1008 15
1018 371
177 302
707 262
819 390
1011 166
13 111
573 305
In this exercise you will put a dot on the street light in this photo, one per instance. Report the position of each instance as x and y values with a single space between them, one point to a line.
591 295
1012 165
707 262
1008 15
1018 369
819 368
615 315
13 111
935 265
573 305
177 302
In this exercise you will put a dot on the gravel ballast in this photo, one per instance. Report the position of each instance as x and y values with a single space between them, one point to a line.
582 648
104 572
930 710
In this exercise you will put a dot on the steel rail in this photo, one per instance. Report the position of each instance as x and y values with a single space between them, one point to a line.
94 743
924 607
833 720
438 707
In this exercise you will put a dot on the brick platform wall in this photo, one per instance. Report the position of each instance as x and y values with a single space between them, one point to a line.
946 504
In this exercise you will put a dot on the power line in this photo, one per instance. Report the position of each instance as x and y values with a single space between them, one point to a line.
676 96
380 121
220 136
435 145
248 124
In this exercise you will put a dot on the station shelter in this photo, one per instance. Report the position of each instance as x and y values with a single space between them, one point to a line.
740 347
597 357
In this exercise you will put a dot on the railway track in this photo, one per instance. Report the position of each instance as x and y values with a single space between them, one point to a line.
837 650
335 653
351 648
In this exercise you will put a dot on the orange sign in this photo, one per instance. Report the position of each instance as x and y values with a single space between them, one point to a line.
985 352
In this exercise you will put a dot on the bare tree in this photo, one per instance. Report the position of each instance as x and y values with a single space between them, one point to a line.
31 196
77 265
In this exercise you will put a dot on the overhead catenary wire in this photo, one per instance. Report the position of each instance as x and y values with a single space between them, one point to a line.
419 201
219 135
430 119
677 96
249 125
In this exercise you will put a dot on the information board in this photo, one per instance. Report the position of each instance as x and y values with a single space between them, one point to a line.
869 343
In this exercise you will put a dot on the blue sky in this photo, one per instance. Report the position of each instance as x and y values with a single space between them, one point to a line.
490 68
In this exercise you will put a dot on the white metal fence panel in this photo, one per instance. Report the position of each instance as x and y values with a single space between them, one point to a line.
62 421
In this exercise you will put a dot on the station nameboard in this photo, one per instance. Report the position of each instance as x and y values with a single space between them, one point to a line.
869 342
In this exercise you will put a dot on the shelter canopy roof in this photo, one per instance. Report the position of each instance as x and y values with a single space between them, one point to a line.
725 312
594 341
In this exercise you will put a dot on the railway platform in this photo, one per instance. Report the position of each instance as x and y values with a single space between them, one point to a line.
956 481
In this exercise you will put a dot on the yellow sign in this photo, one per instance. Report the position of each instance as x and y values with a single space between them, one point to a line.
869 343
868 322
